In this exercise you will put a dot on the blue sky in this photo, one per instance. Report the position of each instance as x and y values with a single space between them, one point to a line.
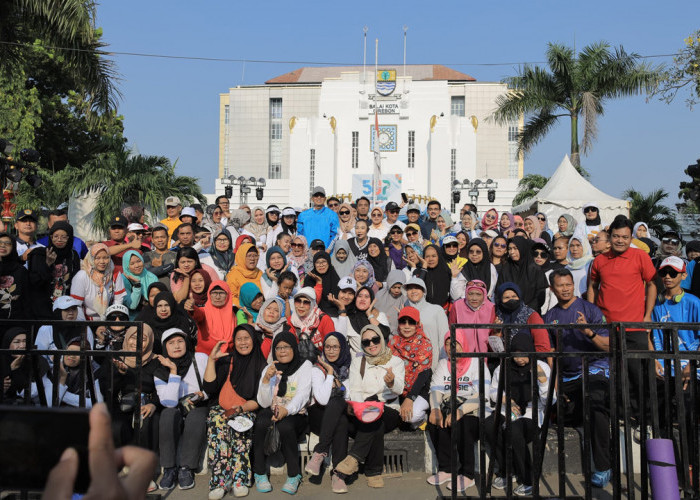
171 106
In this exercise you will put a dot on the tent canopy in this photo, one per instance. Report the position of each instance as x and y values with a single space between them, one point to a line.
567 192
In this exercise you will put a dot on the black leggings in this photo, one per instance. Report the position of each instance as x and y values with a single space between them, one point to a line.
466 433
290 428
522 431
368 447
330 422
193 435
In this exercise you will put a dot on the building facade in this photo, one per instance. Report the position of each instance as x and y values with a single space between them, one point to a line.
315 126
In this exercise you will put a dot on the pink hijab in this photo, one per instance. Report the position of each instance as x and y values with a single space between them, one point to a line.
477 339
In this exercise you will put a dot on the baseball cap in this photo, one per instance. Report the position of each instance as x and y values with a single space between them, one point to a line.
172 332
449 239
415 281
391 206
317 244
27 213
490 233
347 282
413 206
272 208
410 312
172 201
288 211
319 190
413 226
117 221
135 226
188 212
116 308
674 262
65 302
307 292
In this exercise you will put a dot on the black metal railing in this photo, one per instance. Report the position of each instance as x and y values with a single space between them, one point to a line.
681 425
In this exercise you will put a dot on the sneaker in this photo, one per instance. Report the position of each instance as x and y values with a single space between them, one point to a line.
499 483
152 486
313 467
439 478
292 484
240 490
338 484
463 483
601 479
217 494
523 490
375 481
348 466
167 482
185 479
262 483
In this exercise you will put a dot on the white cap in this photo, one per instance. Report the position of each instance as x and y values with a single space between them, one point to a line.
65 302
272 208
347 282
449 239
135 226
172 332
674 262
188 211
172 201
288 211
120 308
307 292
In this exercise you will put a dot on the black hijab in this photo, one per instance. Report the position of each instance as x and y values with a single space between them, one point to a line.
329 282
341 366
19 378
358 319
178 319
182 363
66 253
548 265
380 263
290 368
10 263
246 371
480 270
437 280
521 376
63 335
148 311
525 273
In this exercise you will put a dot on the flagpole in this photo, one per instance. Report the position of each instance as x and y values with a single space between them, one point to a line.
364 56
405 29
376 127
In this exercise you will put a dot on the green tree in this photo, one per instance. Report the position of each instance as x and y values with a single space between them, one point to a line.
121 179
684 74
649 209
572 86
528 187
690 191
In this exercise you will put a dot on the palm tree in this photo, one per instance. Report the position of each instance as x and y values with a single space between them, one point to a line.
649 209
528 187
68 28
121 179
573 86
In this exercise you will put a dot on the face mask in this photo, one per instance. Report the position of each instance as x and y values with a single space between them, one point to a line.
511 305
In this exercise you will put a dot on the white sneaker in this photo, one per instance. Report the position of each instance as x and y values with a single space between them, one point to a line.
240 490
217 494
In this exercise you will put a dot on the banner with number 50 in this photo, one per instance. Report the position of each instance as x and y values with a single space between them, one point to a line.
390 189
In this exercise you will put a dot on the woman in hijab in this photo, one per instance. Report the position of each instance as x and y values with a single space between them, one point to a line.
580 258
360 314
490 220
300 260
95 286
377 257
327 415
232 380
275 264
436 276
245 270
17 373
200 281
506 225
523 428
395 247
346 222
289 221
212 218
534 230
342 259
14 281
499 252
149 308
216 320
363 273
542 256
378 375
640 230
136 281
478 267
378 227
221 252
52 269
413 253
544 224
412 345
186 261
450 252
512 310
444 225
251 300
566 224
270 322
474 307
522 270
325 276
465 430
391 298
283 395
178 376
593 223
167 314
274 221
257 226
244 238
65 308
518 222
468 224
309 324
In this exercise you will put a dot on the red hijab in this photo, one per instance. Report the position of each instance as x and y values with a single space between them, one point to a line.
220 320
462 363
416 351
492 225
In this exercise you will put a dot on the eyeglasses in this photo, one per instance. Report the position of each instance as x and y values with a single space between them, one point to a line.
374 340
411 233
376 215
668 271
7 244
281 348
344 212
332 348
672 241
218 293
303 302
540 253
56 237
333 205
600 240
396 231
499 245
297 245
589 209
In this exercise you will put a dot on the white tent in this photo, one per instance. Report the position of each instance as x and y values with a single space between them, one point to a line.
567 192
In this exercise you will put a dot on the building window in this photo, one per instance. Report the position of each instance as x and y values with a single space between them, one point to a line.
453 174
457 105
274 170
355 149
513 163
312 170
411 149
226 113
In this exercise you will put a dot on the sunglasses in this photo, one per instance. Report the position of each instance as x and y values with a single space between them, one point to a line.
304 302
118 317
672 241
590 209
344 212
448 245
376 215
298 245
333 205
411 233
540 253
368 342
396 231
541 218
500 245
476 284
667 271
406 321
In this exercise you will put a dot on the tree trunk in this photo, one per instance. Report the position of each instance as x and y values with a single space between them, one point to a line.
575 157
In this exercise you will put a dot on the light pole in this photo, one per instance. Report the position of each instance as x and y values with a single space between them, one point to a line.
245 186
488 185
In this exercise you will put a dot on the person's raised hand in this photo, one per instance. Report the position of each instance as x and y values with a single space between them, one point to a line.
51 256
216 351
454 268
389 377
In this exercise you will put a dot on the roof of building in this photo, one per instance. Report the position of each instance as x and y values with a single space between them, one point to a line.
418 72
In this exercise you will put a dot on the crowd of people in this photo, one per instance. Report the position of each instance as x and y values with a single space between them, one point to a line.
262 324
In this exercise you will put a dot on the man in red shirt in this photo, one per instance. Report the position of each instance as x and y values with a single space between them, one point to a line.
622 284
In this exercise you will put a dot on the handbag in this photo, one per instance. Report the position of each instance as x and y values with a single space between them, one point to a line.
228 397
127 402
271 445
191 401
446 405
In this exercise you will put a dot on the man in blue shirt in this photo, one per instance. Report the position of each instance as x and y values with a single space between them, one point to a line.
573 310
318 222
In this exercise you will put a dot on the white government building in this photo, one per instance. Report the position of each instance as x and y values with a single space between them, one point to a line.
315 126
